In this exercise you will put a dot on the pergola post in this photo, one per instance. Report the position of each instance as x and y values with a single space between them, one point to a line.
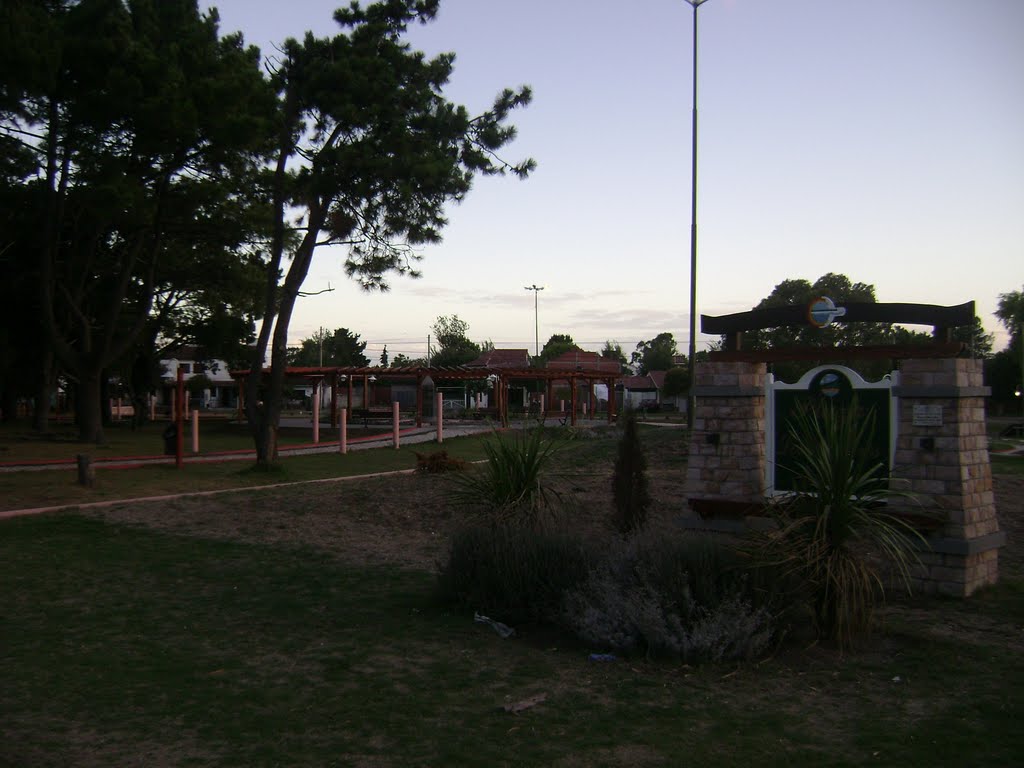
439 404
572 398
334 401
316 412
419 398
503 399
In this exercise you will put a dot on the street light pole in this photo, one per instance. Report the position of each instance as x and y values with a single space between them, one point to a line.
691 398
536 322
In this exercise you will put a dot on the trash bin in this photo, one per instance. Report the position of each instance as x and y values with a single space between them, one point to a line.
171 440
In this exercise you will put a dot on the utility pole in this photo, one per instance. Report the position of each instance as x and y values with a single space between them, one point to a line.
536 323
691 399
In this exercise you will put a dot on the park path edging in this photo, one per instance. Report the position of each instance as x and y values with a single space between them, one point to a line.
171 496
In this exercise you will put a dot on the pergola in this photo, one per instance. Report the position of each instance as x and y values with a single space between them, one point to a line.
499 378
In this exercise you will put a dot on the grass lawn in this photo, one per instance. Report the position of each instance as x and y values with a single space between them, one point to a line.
20 490
216 433
124 646
163 644
1008 465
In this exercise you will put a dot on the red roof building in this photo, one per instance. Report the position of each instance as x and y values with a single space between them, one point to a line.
590 362
515 359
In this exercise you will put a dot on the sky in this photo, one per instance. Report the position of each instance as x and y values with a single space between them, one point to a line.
881 139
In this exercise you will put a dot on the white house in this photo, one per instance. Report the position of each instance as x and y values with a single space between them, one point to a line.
223 392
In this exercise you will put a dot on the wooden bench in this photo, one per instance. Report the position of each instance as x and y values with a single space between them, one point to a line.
371 413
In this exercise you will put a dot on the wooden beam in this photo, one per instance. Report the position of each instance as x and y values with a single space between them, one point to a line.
833 354
862 312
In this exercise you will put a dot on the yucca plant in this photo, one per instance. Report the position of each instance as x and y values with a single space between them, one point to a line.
510 486
835 528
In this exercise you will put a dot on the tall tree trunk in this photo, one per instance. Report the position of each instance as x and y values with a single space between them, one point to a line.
90 419
44 391
8 405
41 406
265 417
106 417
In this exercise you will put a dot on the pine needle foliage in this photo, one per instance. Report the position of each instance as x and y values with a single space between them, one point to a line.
629 482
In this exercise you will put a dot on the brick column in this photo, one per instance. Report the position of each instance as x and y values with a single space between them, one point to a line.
727 447
942 458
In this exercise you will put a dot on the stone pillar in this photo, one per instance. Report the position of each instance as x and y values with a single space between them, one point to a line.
942 459
727 446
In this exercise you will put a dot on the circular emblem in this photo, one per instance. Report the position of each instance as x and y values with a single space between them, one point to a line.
822 311
831 385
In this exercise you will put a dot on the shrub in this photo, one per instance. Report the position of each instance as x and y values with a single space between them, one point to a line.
629 481
512 573
439 462
687 598
831 527
509 486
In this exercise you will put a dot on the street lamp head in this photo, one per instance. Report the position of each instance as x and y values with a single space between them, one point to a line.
696 3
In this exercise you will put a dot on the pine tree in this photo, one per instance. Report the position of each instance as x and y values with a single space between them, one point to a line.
629 483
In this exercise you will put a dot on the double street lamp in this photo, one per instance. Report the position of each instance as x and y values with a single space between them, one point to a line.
691 398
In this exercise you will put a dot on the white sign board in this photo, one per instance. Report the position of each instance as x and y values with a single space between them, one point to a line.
927 416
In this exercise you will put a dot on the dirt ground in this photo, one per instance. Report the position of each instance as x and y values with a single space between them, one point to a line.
405 519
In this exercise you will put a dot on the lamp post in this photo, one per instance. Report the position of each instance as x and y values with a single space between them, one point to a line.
536 326
691 399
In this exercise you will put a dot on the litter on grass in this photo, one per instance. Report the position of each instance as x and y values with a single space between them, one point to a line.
503 630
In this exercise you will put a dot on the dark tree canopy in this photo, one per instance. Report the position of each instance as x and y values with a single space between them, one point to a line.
1010 312
128 130
558 344
155 168
1008 365
402 360
677 381
454 345
338 348
656 354
368 152
837 287
613 351
977 341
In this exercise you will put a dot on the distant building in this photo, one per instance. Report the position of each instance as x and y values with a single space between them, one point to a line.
223 391
643 391
590 362
511 359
